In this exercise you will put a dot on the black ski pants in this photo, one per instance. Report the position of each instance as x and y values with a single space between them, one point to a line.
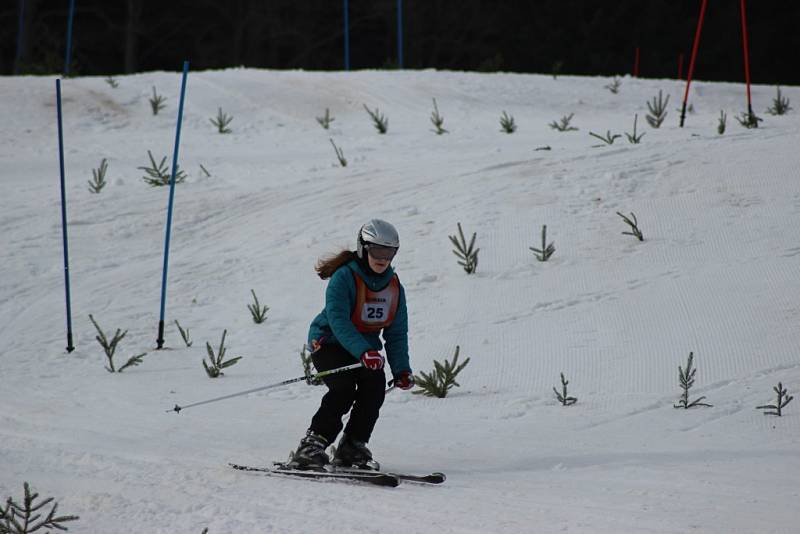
359 389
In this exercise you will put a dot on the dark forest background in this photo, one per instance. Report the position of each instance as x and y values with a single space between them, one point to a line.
575 36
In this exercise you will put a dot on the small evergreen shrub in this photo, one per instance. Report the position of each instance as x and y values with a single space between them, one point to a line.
257 311
379 120
158 174
156 102
614 85
633 138
634 224
442 379
26 517
326 120
563 124
221 121
657 110
608 139
544 253
184 334
563 397
749 120
217 361
780 404
339 154
722 122
686 378
112 82
507 124
467 254
437 120
110 347
780 105
98 181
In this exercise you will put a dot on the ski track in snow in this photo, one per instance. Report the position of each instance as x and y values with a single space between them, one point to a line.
717 275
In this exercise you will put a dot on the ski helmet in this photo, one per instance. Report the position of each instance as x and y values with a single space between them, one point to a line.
377 232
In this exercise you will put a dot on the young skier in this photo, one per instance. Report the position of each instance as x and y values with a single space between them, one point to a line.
364 298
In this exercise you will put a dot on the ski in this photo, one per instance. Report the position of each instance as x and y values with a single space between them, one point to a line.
378 479
431 478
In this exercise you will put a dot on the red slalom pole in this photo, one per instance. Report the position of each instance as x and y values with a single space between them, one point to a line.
746 47
694 56
636 64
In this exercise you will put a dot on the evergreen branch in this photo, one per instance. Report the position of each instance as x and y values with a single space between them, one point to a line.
326 120
563 397
98 181
608 139
184 334
634 226
380 121
780 105
633 138
783 399
437 120
563 125
468 256
686 379
339 154
442 379
544 253
658 110
158 174
258 312
221 121
156 102
217 361
507 123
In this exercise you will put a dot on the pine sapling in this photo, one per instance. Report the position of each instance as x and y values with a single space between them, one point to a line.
157 174
184 334
686 377
563 397
437 120
634 224
112 82
442 379
98 181
563 124
780 404
326 120
221 121
467 254
657 111
110 347
544 253
258 311
339 154
507 124
379 120
614 85
217 361
25 517
749 120
722 122
633 138
608 139
780 105
157 102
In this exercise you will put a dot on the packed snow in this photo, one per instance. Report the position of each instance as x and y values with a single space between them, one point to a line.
718 275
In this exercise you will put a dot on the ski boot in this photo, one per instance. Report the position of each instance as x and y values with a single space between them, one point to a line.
354 454
310 454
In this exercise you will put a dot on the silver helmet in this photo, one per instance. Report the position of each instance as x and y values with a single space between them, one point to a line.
378 232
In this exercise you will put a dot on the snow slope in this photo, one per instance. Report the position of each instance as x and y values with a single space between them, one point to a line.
717 275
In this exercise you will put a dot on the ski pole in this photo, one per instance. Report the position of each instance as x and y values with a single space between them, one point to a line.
321 374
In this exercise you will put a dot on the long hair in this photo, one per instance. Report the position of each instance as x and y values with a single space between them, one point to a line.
327 265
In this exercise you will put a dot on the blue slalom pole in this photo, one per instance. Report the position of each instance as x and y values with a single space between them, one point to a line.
160 340
400 34
70 346
20 29
346 35
68 54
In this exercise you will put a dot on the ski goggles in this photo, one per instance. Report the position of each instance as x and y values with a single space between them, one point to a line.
380 252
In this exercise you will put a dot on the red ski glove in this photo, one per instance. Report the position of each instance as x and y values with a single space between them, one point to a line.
404 380
372 360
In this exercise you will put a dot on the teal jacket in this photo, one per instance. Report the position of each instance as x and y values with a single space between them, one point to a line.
333 324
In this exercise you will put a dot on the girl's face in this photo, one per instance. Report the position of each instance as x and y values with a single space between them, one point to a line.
379 266
379 258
